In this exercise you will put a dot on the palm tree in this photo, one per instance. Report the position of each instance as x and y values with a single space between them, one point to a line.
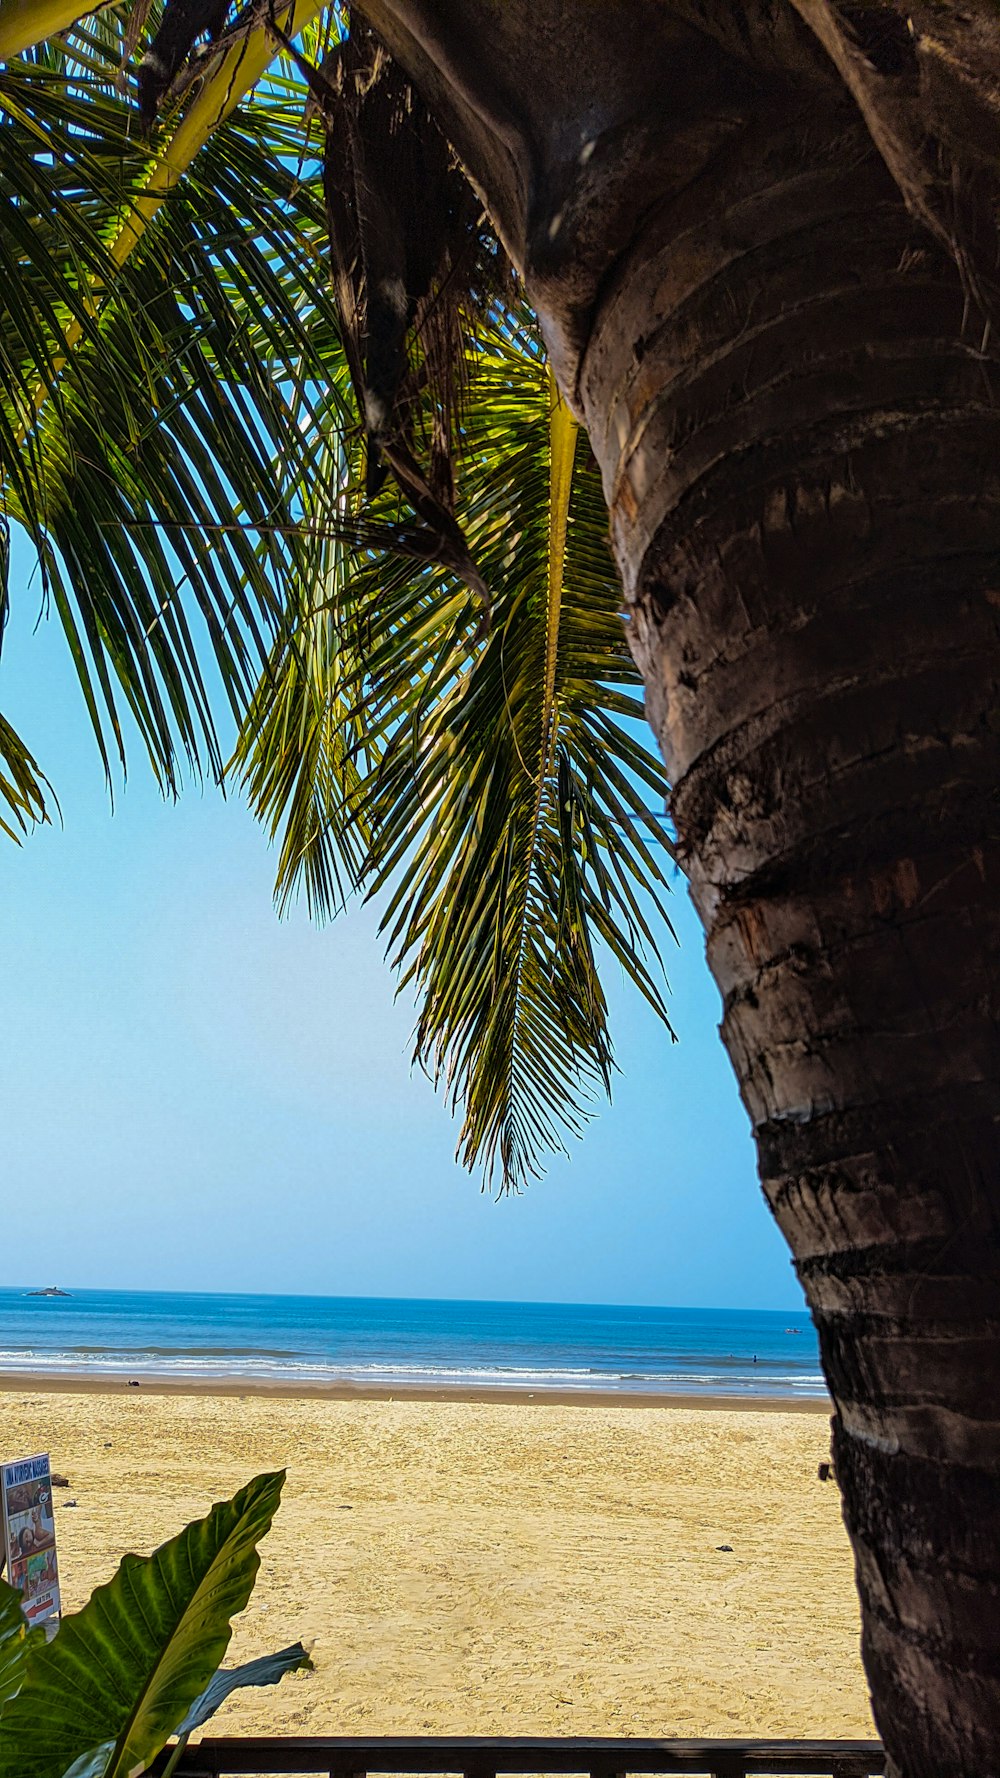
194 457
761 245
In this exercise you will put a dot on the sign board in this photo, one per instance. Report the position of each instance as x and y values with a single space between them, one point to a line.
30 1536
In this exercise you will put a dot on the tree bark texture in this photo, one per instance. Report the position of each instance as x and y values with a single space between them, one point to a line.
798 427
792 388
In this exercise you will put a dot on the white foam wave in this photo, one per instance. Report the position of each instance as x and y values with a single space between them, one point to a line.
266 1369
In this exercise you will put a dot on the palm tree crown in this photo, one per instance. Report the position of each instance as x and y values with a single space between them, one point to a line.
273 398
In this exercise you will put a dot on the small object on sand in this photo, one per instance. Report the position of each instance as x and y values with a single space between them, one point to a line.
133 1382
725 1546
825 1472
59 1481
69 1503
107 1444
344 1509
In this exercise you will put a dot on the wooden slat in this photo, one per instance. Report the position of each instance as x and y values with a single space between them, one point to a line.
493 1757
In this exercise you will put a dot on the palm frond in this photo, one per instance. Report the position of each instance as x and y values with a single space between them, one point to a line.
303 752
150 440
503 808
180 439
499 788
22 785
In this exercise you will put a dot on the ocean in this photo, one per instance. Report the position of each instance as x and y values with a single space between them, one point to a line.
394 1343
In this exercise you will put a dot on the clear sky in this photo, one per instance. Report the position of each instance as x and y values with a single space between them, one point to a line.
195 1095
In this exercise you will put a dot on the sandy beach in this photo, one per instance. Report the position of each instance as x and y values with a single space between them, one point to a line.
489 1567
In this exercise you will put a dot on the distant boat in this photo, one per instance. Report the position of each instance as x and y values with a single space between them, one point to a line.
53 1290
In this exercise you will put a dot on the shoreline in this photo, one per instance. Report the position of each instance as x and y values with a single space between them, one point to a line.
93 1383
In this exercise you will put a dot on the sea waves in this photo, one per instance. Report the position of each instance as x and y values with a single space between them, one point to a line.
276 1368
388 1344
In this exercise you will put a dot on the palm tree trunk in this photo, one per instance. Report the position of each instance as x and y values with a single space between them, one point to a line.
796 417
795 409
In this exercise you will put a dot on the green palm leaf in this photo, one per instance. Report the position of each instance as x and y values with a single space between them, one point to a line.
150 429
304 748
22 785
505 805
128 1667
499 789
179 440
263 1670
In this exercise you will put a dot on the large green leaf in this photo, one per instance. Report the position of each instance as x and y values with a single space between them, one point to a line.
93 1763
16 1640
128 1667
265 1670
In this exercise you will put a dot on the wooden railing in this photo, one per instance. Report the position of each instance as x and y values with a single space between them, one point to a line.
337 1757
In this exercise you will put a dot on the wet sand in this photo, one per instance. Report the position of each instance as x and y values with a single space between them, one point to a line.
488 1566
53 1382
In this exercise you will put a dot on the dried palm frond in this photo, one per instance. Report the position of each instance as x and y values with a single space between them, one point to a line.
411 261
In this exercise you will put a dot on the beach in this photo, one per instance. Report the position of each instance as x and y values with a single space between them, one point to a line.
488 1566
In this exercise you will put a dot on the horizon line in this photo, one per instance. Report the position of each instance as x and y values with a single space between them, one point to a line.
347 1297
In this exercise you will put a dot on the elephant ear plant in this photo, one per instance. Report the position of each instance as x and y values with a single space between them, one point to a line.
141 1661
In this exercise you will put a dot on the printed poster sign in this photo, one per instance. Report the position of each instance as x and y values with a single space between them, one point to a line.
30 1536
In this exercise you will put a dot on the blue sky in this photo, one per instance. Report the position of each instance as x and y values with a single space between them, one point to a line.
195 1095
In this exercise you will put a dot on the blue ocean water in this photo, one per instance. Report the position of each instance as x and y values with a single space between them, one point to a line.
394 1343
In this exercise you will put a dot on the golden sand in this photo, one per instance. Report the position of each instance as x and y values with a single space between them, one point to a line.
482 1568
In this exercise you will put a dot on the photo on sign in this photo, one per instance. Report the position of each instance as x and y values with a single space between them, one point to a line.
25 1496
35 1574
32 1531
